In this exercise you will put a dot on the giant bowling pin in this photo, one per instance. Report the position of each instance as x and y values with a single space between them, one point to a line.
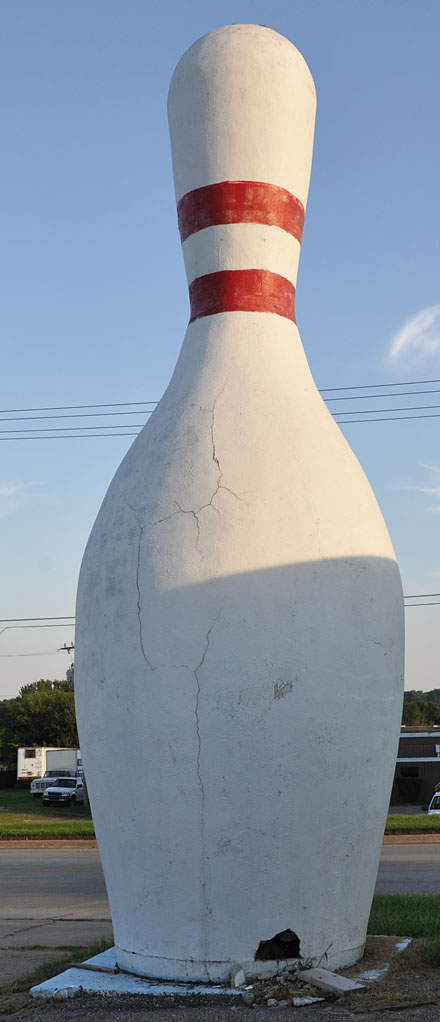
239 622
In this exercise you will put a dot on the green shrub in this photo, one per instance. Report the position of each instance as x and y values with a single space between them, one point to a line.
8 778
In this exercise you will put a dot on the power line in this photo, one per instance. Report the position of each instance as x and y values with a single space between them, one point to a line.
53 429
435 603
366 397
94 415
133 425
106 404
42 652
71 617
138 404
389 418
53 617
371 386
8 628
71 436
89 436
352 411
121 429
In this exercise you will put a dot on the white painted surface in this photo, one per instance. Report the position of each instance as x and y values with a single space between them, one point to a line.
239 647
241 247
248 100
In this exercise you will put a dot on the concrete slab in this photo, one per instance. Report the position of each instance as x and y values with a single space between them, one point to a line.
75 981
55 933
17 966
332 981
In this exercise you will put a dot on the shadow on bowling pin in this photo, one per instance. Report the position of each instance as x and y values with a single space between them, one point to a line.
270 760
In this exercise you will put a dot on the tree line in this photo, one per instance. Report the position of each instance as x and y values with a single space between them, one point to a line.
421 708
43 713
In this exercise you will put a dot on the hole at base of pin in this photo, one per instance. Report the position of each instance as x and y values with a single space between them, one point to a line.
283 945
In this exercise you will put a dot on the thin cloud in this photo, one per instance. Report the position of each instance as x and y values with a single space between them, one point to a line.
432 489
8 491
13 495
419 338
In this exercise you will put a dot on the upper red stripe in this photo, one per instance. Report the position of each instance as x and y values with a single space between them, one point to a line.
240 202
242 291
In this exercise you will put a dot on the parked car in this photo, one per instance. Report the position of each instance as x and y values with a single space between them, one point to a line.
64 791
39 784
434 805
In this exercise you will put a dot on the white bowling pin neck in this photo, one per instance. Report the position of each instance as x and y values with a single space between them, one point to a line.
241 110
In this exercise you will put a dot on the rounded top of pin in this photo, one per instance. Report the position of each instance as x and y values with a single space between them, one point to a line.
241 106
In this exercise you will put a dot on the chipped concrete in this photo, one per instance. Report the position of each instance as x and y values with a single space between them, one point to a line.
282 689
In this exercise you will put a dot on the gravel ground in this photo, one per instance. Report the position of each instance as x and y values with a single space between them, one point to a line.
409 990
136 1009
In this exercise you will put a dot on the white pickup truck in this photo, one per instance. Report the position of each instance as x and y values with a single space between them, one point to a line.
64 791
39 784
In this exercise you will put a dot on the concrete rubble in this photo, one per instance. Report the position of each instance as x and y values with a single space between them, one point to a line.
282 984
283 987
331 981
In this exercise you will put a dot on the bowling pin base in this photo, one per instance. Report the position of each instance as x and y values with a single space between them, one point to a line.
183 971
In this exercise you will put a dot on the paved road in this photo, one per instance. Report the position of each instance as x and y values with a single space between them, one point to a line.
67 883
409 869
36 883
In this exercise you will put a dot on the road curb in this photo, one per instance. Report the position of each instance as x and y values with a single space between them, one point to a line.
411 839
48 843
389 839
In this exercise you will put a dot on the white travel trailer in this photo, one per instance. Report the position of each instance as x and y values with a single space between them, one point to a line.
40 761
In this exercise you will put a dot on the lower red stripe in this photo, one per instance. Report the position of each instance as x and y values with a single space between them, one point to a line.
242 291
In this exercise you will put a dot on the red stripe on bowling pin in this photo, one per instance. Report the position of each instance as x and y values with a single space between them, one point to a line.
242 291
240 202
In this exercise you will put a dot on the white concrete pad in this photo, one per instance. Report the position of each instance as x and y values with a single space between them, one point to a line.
76 981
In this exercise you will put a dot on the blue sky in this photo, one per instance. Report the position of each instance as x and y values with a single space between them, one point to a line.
94 301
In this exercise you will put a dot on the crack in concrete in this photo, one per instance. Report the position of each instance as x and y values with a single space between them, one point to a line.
219 484
167 517
158 667
141 533
199 752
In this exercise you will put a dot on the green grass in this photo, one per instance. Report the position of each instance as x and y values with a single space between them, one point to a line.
19 800
406 915
13 826
432 952
24 817
417 824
